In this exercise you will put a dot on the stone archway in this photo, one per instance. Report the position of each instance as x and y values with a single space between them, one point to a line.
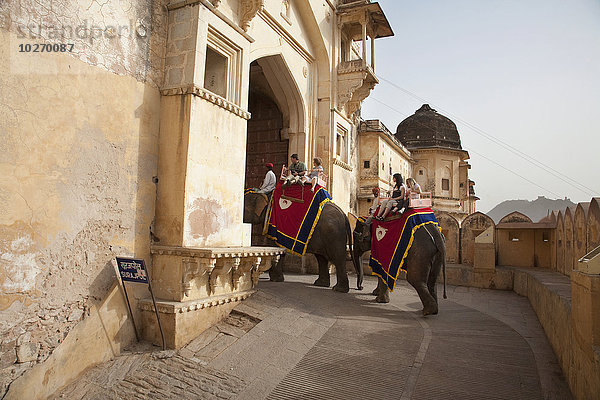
276 127
266 142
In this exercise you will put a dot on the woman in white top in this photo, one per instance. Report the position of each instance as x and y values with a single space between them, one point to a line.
413 187
315 172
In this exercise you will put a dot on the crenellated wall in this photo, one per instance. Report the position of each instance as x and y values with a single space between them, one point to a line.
566 302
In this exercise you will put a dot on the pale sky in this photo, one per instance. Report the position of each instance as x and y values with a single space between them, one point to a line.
524 72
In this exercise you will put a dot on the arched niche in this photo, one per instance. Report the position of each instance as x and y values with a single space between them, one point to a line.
593 224
580 232
451 231
568 241
471 227
515 216
560 242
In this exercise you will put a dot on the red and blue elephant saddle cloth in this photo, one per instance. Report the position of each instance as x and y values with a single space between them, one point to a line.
391 240
293 214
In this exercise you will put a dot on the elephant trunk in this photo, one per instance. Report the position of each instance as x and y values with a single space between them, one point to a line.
355 261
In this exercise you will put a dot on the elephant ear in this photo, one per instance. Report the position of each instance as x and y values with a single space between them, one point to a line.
352 219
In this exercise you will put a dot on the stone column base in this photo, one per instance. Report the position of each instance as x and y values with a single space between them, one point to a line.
182 321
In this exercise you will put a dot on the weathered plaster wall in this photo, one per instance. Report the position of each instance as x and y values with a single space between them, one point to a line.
213 215
79 133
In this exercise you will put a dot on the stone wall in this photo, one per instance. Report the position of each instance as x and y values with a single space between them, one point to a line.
80 134
451 232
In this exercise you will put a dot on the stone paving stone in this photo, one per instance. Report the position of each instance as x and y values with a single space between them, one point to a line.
202 340
231 330
215 347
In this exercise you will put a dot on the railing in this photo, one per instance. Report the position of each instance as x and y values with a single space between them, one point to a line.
420 200
321 178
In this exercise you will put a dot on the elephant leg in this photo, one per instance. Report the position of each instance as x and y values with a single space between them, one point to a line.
276 271
323 279
436 267
375 291
342 285
418 279
382 292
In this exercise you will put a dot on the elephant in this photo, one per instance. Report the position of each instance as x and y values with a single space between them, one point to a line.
328 241
425 259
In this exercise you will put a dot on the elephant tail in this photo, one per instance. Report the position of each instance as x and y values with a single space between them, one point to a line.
440 244
442 249
357 267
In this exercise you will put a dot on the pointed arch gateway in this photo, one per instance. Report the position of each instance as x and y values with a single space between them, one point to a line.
277 122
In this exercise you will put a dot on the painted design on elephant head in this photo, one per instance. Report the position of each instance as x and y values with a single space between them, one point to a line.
380 232
284 203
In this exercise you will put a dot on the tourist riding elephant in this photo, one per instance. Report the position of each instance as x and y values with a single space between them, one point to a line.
328 241
423 263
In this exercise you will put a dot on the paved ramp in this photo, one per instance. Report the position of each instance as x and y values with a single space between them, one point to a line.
292 340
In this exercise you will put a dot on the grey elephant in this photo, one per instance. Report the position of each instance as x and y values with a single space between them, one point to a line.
425 260
328 241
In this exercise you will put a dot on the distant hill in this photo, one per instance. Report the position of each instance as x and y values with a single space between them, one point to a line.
536 209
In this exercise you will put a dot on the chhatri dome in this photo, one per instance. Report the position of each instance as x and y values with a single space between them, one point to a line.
426 128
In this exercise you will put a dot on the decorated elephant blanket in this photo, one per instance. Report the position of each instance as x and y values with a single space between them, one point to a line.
391 240
293 214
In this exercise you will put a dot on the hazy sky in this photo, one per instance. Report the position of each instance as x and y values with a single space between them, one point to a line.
524 72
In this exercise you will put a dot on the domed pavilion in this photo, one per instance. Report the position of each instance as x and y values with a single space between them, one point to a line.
440 163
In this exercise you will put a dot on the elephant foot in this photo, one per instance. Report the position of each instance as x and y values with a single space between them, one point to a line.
383 298
433 310
341 288
322 282
375 292
275 277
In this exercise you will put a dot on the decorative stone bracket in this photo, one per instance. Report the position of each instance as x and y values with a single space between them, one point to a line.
221 276
355 82
248 10
198 270
243 274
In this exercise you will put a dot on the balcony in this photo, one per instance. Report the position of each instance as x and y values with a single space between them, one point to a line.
358 20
